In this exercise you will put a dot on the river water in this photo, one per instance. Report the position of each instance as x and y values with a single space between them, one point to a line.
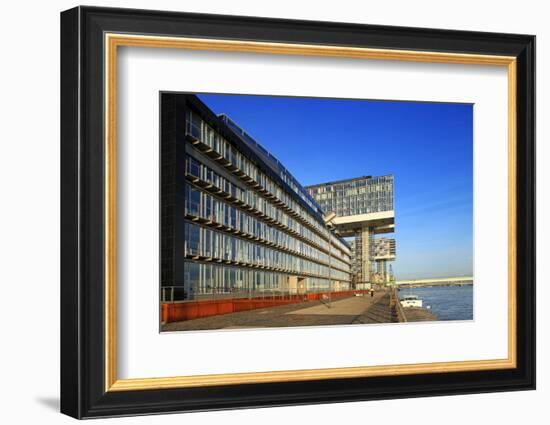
446 302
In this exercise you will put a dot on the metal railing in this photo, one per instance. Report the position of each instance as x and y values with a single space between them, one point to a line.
168 294
396 306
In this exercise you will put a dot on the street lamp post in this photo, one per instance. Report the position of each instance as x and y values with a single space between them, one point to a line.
328 220
329 275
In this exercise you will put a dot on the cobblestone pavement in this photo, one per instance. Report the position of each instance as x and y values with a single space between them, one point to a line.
312 313
352 306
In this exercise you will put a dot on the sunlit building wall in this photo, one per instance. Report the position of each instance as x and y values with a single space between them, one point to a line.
249 228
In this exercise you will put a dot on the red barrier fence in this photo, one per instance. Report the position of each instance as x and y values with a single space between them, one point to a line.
187 310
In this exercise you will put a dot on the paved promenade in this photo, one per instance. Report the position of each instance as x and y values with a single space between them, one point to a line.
346 311
353 306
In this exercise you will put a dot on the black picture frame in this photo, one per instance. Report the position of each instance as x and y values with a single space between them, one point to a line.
83 392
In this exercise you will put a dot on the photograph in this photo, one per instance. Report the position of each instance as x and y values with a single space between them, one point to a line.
281 211
287 210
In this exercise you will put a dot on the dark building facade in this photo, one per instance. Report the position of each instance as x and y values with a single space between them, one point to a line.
234 221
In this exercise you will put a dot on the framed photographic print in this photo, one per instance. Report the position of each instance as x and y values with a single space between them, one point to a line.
261 212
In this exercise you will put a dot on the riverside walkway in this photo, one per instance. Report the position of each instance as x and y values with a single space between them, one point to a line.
344 311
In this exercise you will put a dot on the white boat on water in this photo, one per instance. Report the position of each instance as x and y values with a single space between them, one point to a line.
411 301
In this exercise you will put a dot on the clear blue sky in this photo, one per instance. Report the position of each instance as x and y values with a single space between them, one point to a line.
426 146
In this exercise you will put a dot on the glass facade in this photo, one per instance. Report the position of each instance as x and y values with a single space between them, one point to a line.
208 280
384 248
362 195
246 233
221 149
284 174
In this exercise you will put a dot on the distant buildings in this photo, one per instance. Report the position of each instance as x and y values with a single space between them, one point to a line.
384 251
363 207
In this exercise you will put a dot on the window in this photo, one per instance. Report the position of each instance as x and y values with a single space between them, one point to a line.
206 206
191 279
192 200
192 239
233 221
206 242
193 167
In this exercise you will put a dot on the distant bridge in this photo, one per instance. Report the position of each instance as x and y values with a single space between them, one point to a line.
440 281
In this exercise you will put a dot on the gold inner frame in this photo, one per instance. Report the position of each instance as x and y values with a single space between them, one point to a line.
113 41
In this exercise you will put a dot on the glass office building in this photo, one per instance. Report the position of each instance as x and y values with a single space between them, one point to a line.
381 251
361 195
384 249
363 207
249 228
